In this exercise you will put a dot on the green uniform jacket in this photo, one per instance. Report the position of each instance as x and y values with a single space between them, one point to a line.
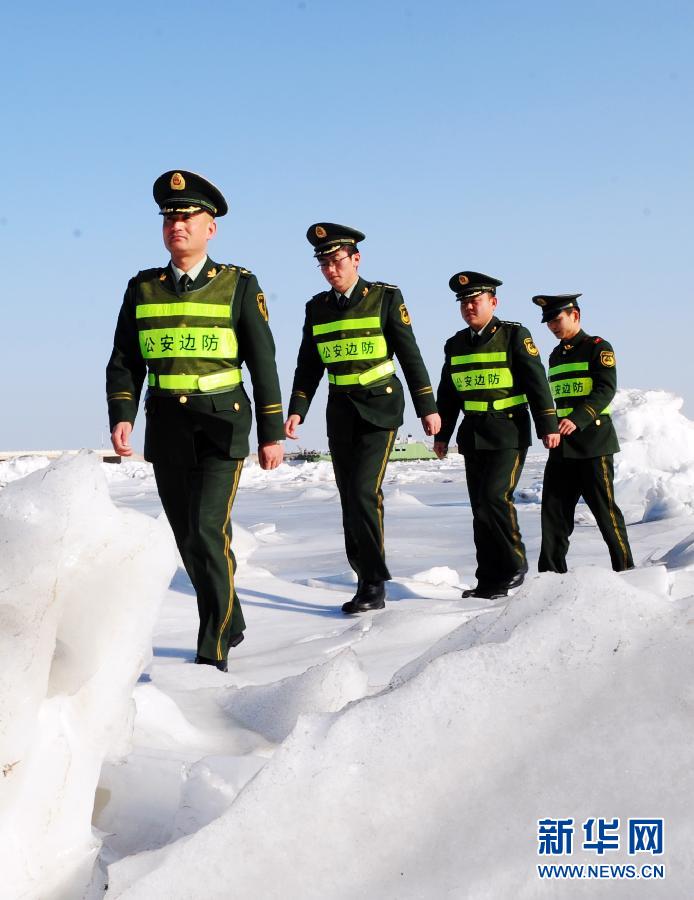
225 416
383 404
595 434
497 429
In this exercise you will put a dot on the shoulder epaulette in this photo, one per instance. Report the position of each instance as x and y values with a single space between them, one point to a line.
597 340
147 274
384 284
321 295
506 322
241 270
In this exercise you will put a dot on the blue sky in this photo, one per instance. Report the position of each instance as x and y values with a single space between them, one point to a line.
546 143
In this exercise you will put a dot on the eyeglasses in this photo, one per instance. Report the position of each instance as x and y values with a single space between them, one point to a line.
326 264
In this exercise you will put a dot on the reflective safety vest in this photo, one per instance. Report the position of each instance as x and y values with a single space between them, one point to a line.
484 378
569 383
351 342
188 341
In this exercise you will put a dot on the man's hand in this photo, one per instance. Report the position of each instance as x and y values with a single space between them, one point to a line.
551 440
119 438
291 425
566 426
431 423
270 455
440 449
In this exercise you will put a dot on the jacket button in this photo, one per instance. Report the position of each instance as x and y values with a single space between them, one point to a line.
183 399
509 415
597 421
389 390
237 406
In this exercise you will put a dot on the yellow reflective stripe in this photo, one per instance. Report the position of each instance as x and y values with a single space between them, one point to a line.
371 375
368 377
482 379
184 308
201 343
215 380
347 325
506 402
475 406
478 358
569 367
353 348
571 387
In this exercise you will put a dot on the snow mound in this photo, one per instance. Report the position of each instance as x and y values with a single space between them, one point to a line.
482 729
272 710
80 588
655 470
438 575
19 466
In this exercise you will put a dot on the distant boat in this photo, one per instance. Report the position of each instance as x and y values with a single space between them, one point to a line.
408 449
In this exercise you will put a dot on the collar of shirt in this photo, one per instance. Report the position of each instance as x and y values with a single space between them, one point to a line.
192 273
348 292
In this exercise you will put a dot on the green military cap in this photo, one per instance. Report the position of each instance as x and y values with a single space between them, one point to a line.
553 304
468 284
180 191
327 237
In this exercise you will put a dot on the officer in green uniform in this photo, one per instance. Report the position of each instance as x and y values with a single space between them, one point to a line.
187 328
583 380
353 330
492 372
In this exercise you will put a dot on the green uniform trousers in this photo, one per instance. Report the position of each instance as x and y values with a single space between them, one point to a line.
565 481
492 476
197 500
360 452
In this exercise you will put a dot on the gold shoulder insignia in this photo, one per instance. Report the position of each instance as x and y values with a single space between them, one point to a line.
212 273
245 271
262 306
162 277
404 315
530 347
607 358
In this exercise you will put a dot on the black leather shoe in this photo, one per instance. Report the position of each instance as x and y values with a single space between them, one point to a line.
370 595
485 592
220 664
514 582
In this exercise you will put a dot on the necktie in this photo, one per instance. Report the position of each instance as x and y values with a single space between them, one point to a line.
184 283
342 301
474 339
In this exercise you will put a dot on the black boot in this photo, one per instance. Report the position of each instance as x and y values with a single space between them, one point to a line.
370 595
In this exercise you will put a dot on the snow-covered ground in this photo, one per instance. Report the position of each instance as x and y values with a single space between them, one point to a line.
409 753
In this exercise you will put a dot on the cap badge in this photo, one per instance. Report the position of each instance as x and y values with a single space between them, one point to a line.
541 301
178 182
463 279
530 347
321 232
